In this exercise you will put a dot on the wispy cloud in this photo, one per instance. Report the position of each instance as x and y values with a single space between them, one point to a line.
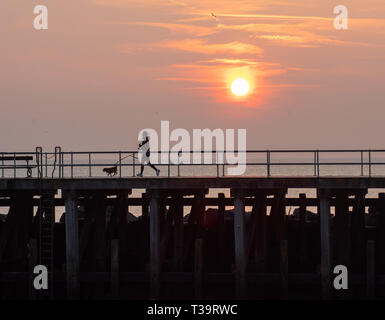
199 31
202 46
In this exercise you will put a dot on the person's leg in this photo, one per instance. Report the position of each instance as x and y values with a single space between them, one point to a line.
156 170
152 166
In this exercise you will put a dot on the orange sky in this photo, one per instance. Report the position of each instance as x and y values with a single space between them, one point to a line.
105 69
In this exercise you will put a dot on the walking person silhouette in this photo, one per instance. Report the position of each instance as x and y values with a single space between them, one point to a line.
144 155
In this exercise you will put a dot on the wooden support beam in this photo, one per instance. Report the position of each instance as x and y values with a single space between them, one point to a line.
99 250
144 206
122 211
115 268
72 245
302 230
7 229
32 261
178 234
194 220
284 269
86 229
324 197
358 231
198 268
154 244
278 214
370 270
261 233
221 229
251 229
240 252
381 229
166 232
342 231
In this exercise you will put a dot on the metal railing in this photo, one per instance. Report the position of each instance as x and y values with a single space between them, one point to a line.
65 164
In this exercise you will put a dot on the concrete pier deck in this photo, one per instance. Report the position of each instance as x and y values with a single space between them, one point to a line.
339 182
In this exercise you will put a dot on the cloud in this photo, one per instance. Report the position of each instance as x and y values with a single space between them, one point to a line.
195 30
310 33
204 47
273 16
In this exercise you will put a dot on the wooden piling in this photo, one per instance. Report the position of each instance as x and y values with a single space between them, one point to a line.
324 206
85 233
178 234
261 233
370 269
115 268
122 211
284 269
145 206
358 231
239 234
99 232
154 244
380 241
302 230
342 231
198 268
72 245
32 262
221 228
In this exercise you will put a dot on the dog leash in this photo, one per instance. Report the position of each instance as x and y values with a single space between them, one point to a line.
130 155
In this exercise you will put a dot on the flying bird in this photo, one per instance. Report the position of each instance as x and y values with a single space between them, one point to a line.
213 15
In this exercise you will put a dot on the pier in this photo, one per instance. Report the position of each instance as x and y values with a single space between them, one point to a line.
189 241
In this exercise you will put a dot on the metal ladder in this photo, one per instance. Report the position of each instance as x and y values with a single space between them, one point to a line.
46 227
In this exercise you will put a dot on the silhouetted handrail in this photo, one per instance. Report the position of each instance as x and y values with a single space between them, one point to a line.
64 160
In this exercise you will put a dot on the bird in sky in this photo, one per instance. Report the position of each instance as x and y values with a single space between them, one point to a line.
213 15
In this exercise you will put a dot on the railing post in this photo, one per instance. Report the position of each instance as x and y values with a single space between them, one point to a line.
216 161
46 164
223 165
362 163
133 164
120 164
169 163
2 165
14 164
39 158
62 163
72 164
89 165
317 163
268 163
370 163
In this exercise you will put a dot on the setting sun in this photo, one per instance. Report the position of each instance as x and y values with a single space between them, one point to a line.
240 87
